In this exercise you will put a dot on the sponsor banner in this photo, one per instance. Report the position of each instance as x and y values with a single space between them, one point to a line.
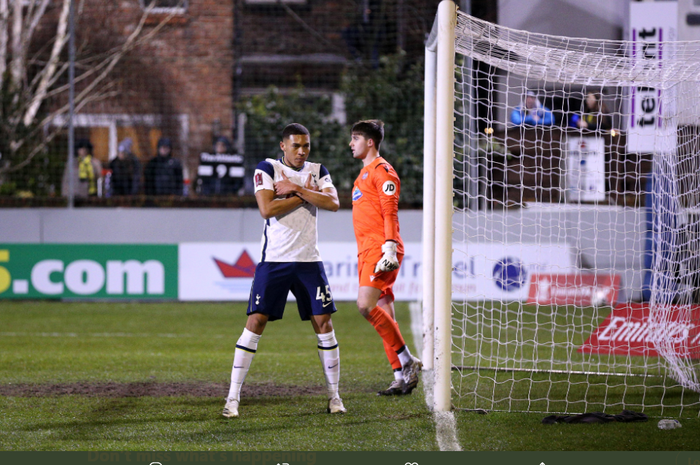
653 26
628 330
340 262
583 290
586 169
224 271
93 271
502 271
217 271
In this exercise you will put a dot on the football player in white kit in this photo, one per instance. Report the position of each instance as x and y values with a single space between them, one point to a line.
289 192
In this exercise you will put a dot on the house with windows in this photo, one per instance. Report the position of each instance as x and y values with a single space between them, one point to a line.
195 60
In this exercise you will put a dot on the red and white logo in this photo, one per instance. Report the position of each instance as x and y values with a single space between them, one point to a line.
629 330
583 290
243 268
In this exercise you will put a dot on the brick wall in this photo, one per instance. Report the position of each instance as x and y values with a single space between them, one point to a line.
187 68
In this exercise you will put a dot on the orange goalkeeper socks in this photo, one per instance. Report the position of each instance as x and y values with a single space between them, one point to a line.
387 329
391 355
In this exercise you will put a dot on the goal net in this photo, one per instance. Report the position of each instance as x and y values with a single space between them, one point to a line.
574 206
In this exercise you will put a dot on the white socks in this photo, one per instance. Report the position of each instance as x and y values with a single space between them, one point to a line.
247 345
245 351
405 356
329 355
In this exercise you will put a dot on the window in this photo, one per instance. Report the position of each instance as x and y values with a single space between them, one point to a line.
165 6
107 129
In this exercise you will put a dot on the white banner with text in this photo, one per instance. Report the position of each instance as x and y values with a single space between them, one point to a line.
224 271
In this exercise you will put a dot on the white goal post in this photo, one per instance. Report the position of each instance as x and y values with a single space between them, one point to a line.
437 201
561 221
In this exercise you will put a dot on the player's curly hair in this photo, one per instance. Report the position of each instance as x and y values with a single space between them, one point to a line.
294 129
370 129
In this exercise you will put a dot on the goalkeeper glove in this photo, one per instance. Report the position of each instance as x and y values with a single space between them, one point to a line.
388 262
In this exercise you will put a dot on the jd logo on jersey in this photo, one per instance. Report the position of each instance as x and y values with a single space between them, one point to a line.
389 188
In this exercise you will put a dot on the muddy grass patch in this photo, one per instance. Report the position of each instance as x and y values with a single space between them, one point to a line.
154 389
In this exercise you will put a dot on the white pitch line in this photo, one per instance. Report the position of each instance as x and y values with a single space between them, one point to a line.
445 424
138 335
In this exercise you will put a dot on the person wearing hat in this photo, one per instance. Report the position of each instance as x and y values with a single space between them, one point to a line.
163 173
87 172
531 112
126 170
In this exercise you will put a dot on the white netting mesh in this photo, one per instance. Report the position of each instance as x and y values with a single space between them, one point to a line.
676 262
571 205
573 60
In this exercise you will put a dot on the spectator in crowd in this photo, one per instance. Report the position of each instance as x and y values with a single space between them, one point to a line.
87 172
367 34
221 173
163 173
222 145
126 170
595 115
531 112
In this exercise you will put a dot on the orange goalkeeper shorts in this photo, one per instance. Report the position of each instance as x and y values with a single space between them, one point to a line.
384 280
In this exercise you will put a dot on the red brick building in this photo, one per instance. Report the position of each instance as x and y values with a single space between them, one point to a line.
185 81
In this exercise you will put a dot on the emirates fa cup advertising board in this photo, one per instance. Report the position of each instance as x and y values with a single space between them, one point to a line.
630 330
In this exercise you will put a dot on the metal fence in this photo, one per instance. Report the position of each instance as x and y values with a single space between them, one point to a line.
175 101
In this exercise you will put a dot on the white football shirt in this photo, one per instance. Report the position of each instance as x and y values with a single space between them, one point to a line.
292 237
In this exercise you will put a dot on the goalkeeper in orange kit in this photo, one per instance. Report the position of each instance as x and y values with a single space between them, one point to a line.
375 205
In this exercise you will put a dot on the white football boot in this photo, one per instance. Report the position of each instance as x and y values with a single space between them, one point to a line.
335 405
231 409
410 374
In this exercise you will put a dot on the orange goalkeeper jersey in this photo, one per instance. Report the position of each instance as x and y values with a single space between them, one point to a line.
375 206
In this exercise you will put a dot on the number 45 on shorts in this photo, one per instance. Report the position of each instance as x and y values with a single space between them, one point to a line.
324 296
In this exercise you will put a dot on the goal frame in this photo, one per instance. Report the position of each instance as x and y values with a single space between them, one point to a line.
437 203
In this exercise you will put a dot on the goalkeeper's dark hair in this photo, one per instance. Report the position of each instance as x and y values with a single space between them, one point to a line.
294 129
370 129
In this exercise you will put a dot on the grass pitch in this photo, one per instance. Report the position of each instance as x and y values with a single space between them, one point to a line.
507 341
152 376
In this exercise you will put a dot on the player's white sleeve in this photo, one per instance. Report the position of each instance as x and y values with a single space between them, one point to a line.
324 178
264 177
